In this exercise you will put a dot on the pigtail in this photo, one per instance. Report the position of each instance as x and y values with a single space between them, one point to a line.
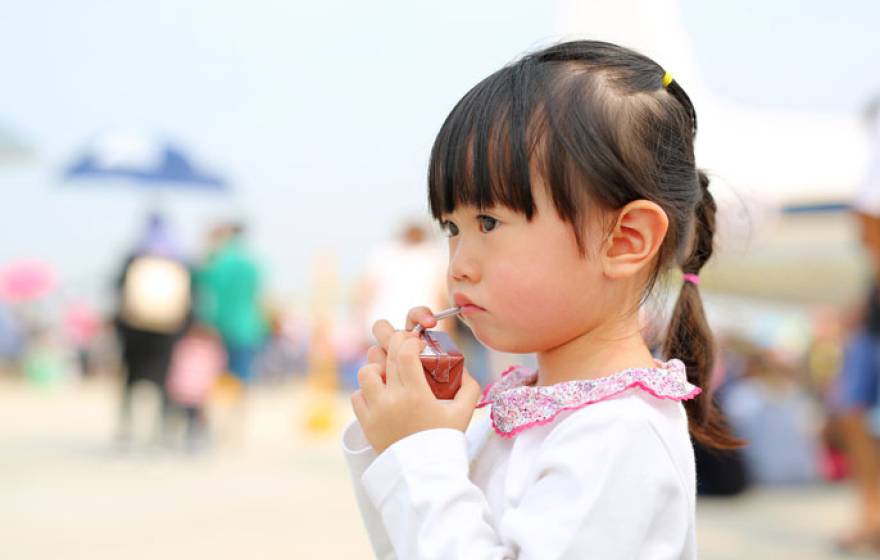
689 338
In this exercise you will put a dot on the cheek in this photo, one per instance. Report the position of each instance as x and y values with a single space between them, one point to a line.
546 300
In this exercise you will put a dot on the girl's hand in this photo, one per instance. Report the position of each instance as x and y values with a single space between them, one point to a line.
404 404
418 316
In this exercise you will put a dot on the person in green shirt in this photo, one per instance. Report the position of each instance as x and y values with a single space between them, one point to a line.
229 289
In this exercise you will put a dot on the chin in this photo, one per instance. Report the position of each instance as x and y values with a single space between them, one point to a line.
504 342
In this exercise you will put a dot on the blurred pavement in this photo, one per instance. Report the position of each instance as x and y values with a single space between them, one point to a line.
66 491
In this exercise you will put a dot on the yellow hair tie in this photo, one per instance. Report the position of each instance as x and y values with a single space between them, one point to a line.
667 79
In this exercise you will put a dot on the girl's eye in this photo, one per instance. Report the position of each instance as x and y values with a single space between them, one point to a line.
449 228
487 223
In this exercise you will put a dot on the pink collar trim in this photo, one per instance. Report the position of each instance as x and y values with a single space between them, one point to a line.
517 405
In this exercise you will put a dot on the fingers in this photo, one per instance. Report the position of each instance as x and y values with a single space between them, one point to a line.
370 381
359 405
382 331
420 316
375 355
385 355
391 364
409 366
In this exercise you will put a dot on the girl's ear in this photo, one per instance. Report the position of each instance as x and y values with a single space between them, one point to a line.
638 233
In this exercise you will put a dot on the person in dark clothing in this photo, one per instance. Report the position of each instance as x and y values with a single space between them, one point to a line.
857 385
154 309
855 394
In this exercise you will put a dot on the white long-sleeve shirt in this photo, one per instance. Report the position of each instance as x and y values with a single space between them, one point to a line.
585 469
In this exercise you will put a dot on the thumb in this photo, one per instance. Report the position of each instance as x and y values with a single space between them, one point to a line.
468 395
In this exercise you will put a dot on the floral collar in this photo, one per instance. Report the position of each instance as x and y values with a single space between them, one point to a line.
518 405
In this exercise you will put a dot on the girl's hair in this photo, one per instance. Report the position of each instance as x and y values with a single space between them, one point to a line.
603 126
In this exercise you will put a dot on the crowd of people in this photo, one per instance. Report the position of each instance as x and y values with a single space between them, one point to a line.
183 324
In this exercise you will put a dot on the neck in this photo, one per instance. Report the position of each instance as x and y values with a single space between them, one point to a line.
606 349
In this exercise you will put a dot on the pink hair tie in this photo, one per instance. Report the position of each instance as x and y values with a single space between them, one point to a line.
692 278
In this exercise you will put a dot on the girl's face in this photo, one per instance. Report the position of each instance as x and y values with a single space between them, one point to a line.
524 286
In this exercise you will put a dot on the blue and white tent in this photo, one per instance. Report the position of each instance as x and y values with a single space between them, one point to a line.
145 159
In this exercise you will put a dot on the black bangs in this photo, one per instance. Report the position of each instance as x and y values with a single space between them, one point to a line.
481 155
548 117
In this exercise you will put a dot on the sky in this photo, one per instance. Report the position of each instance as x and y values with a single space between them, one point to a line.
321 114
791 55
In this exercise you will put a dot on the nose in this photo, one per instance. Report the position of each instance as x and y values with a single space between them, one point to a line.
463 264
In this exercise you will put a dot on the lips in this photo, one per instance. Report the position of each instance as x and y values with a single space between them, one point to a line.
467 306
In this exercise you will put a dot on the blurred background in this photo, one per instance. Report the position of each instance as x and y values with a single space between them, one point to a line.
206 204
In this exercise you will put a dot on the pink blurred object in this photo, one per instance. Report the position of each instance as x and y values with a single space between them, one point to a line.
197 361
835 466
26 280
81 323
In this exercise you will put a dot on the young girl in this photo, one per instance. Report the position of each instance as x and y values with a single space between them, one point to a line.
566 183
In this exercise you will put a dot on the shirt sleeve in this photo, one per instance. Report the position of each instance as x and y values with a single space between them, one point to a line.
358 456
598 488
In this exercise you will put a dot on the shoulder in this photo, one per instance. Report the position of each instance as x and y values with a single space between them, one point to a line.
630 424
629 410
